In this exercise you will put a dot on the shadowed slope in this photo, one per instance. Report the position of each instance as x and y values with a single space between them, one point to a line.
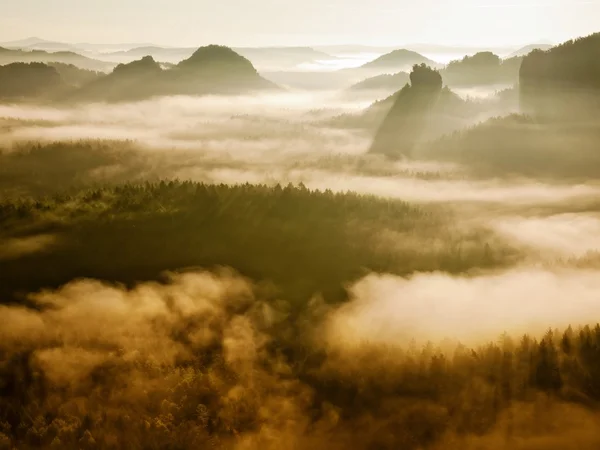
402 127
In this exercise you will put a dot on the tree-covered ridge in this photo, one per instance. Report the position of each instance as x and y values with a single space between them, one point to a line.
29 80
231 370
10 56
563 81
521 145
210 70
304 241
74 76
481 69
42 81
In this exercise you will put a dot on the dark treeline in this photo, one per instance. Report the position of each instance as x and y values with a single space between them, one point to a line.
72 379
39 169
74 76
481 69
304 241
29 80
39 81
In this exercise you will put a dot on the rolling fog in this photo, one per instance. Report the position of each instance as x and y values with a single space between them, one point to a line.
93 330
293 138
275 138
290 138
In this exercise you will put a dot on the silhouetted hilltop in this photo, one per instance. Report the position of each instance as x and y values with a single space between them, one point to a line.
8 56
210 70
141 67
133 81
483 68
563 81
217 59
36 43
266 58
74 76
398 59
29 81
215 69
403 126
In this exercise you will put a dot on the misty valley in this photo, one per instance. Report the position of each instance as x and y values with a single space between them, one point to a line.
300 248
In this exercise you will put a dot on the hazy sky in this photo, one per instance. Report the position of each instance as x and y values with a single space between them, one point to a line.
286 22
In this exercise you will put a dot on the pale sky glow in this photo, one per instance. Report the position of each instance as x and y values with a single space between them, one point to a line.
305 22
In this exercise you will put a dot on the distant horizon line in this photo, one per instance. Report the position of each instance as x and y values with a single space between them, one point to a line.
37 40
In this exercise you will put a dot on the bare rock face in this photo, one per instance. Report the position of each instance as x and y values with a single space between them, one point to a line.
404 125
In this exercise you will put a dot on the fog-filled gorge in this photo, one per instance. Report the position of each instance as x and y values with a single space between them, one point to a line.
413 267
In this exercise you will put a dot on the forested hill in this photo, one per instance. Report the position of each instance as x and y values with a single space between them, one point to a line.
563 82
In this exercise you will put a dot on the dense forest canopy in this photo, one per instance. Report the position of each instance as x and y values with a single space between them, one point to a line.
410 263
22 80
481 69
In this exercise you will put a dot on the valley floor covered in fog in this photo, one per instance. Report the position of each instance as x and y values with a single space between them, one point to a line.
243 272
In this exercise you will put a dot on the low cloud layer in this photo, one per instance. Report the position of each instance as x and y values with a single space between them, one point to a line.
195 362
391 310
17 247
277 138
560 235
186 122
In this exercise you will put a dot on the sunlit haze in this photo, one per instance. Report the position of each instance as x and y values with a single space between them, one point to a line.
308 22
307 225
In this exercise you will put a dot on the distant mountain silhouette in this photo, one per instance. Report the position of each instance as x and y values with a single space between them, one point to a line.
37 43
441 49
86 49
398 60
217 58
563 82
269 58
529 48
170 55
8 56
483 68
209 70
134 81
